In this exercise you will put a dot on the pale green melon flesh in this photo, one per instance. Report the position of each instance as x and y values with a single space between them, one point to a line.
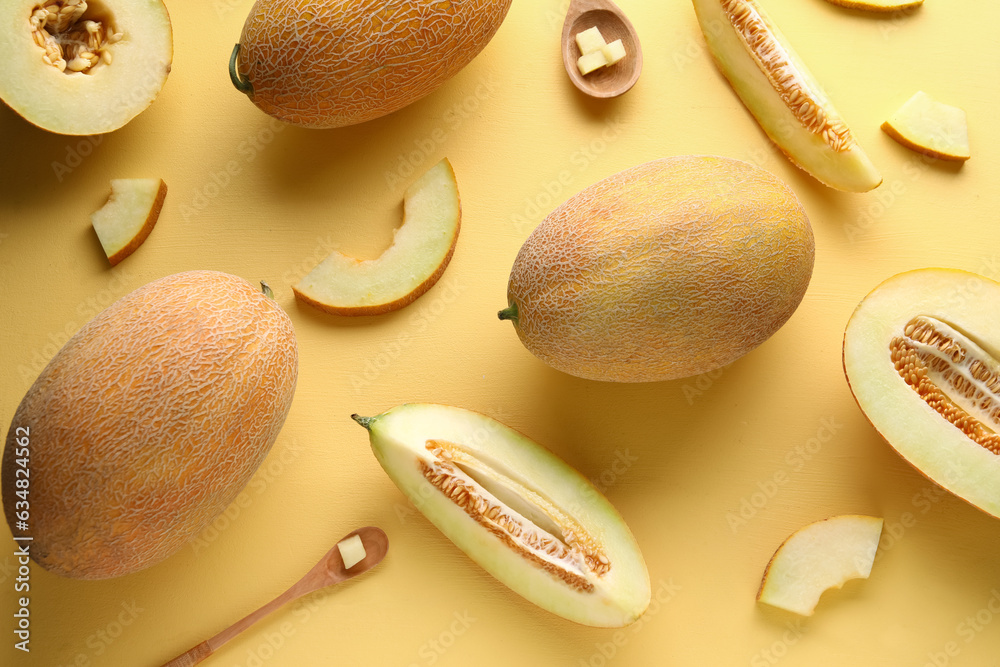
422 245
936 447
849 169
818 557
126 212
100 101
618 596
926 125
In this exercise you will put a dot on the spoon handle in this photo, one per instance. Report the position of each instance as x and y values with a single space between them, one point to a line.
210 646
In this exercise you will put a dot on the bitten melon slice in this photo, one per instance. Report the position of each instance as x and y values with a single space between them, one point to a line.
421 250
782 95
523 514
818 557
930 127
128 217
83 66
922 356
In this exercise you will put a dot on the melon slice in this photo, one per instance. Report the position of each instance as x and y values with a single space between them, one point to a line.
878 5
83 66
782 95
823 555
930 127
922 356
523 514
128 217
421 250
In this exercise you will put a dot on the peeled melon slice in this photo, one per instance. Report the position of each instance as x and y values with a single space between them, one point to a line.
523 514
818 557
782 95
89 72
128 217
927 126
421 250
922 356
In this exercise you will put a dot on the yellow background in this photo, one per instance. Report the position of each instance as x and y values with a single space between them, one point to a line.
711 473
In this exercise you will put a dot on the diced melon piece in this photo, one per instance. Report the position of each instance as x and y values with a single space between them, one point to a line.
590 40
591 61
129 215
614 51
927 126
352 550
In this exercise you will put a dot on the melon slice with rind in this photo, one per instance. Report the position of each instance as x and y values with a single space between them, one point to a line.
129 215
933 128
516 509
922 357
107 61
421 250
818 557
778 89
878 5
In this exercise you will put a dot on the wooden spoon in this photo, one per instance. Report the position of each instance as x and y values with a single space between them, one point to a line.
608 81
330 570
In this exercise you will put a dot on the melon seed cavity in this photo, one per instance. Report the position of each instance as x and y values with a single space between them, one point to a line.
74 36
560 546
952 374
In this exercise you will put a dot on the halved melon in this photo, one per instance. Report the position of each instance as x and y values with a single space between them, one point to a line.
823 555
930 127
522 513
129 215
83 66
782 95
922 356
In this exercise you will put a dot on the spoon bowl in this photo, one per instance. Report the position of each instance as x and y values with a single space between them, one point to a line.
613 80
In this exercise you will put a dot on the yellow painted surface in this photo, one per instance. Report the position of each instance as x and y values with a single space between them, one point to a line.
712 473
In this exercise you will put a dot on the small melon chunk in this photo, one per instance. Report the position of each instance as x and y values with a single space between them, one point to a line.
818 557
421 250
523 514
589 62
614 51
930 127
922 357
352 551
590 40
129 215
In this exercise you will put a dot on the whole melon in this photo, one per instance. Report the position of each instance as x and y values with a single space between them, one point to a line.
148 423
670 269
333 63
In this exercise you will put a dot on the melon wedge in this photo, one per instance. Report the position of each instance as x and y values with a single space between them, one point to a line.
128 217
421 250
90 71
930 127
782 95
922 356
878 5
823 555
523 514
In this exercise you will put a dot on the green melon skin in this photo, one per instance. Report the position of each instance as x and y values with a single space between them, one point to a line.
667 270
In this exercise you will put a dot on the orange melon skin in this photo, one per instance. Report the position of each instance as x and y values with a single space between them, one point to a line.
667 270
332 63
149 421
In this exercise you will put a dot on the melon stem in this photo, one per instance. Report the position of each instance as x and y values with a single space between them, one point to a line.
242 85
509 313
266 289
364 421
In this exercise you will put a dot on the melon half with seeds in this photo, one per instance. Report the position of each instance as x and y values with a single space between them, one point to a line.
519 511
922 356
340 62
787 101
83 66
148 423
